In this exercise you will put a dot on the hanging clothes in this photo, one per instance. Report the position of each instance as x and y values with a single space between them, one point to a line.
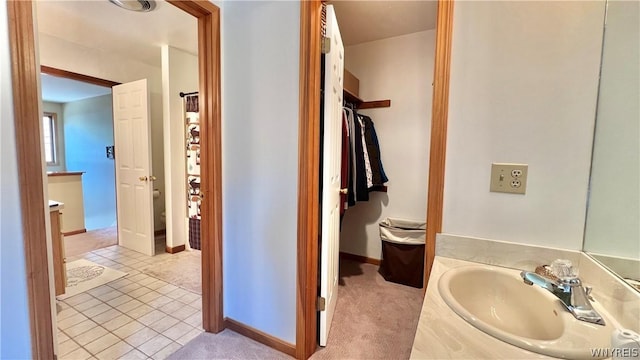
345 164
364 167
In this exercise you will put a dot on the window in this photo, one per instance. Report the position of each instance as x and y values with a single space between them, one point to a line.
50 138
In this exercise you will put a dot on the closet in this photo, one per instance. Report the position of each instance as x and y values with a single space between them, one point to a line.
396 67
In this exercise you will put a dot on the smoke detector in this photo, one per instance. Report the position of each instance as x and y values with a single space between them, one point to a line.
135 5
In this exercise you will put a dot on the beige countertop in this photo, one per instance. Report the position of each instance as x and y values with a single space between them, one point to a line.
442 334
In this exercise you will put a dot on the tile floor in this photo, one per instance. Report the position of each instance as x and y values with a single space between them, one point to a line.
134 317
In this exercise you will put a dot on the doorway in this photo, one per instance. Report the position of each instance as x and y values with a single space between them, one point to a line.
308 214
28 129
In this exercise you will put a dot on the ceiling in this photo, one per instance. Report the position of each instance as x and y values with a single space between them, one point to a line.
362 21
61 90
100 24
139 36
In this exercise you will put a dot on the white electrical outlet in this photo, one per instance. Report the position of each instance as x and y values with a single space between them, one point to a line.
508 178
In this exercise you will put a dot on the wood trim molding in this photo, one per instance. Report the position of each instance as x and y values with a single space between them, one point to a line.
65 173
74 232
308 178
439 118
211 159
259 336
161 232
175 249
75 76
27 118
360 258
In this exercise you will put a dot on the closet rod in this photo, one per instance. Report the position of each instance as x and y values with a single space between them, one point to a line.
186 94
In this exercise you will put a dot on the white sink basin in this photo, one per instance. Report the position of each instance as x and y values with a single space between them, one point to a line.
498 302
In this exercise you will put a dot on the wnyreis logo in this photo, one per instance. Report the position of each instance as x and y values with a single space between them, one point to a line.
631 353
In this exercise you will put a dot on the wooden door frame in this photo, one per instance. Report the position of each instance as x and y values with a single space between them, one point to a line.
25 75
309 161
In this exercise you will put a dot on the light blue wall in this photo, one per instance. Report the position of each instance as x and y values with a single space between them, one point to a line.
260 163
15 340
88 128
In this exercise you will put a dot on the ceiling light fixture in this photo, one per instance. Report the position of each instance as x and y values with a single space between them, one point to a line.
135 5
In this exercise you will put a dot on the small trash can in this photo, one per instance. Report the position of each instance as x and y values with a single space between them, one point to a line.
403 251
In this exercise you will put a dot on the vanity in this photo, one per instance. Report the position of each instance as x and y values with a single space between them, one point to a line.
57 239
66 187
444 334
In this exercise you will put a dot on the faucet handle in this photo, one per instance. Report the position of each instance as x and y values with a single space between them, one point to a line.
587 291
564 269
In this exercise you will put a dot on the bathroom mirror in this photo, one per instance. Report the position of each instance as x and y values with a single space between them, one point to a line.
612 229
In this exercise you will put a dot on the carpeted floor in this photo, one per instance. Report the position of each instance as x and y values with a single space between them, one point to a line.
374 319
183 269
83 243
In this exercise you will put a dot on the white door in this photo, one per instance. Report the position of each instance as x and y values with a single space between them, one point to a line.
332 147
134 180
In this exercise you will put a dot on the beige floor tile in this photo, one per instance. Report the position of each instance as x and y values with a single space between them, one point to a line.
71 320
101 343
154 345
96 310
140 311
117 322
196 304
120 283
189 297
109 296
129 305
100 290
77 299
166 289
160 301
147 281
152 317
115 351
66 347
119 300
177 293
106 316
62 337
129 329
129 288
77 354
156 284
177 331
88 304
139 291
65 313
189 336
140 337
149 296
80 328
195 320
184 312
166 351
164 323
134 354
91 335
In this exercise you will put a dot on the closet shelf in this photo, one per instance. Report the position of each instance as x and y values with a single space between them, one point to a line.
351 94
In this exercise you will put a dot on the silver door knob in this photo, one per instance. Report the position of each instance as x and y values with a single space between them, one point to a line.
344 191
152 178
142 178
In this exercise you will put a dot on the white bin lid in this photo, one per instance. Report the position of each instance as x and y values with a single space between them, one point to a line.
402 231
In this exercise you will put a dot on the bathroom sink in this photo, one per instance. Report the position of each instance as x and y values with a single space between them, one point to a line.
497 301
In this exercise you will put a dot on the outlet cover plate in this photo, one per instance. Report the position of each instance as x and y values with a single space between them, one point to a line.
508 178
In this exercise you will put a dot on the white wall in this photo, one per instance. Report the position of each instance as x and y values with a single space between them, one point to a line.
614 203
61 54
179 74
400 69
260 163
524 79
15 340
57 109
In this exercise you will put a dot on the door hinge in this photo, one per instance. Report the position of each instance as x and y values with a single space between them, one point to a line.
321 304
326 45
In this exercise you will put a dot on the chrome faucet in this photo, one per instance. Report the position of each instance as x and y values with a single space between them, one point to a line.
570 292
